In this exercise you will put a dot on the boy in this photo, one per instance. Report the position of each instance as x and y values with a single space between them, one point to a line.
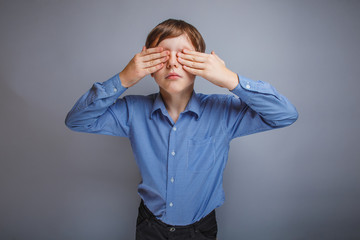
180 139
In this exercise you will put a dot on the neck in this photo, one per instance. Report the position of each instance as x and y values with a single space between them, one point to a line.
176 103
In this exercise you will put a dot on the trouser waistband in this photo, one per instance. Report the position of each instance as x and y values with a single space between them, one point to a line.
143 210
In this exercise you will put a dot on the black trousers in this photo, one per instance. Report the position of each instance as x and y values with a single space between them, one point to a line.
148 227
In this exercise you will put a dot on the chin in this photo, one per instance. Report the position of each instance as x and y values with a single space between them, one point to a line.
175 86
176 89
172 90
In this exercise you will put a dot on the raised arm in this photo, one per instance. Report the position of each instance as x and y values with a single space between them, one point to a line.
259 106
94 111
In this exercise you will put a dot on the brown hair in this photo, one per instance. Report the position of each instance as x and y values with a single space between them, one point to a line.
173 28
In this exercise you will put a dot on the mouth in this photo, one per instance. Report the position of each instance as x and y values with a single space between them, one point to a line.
173 76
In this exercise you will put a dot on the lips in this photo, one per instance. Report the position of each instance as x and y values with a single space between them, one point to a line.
173 76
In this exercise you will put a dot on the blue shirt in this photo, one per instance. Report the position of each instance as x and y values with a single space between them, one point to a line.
182 163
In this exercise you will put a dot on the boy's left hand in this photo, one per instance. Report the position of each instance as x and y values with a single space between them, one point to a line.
208 66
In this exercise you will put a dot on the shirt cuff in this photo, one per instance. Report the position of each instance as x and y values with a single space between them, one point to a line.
247 88
113 86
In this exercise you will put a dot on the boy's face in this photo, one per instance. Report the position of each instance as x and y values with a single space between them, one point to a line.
172 78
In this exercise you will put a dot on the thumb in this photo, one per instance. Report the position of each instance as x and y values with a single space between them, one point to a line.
143 49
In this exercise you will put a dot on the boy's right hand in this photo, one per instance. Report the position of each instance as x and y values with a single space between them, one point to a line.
146 62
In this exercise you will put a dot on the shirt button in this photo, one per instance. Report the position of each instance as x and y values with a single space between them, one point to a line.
247 86
171 204
115 89
173 153
172 229
172 180
174 128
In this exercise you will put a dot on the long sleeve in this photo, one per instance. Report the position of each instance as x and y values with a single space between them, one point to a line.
94 111
259 108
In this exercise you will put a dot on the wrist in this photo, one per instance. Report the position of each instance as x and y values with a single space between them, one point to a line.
123 79
232 81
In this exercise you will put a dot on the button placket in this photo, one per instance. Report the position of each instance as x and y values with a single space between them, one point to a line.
171 171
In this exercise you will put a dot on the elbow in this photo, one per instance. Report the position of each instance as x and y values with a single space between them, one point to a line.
77 125
295 116
291 117
68 122
284 119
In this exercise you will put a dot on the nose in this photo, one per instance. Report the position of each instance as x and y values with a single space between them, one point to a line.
172 62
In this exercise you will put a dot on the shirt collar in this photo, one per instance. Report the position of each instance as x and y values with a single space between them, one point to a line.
192 106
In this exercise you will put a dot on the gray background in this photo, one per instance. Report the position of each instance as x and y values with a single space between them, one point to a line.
299 182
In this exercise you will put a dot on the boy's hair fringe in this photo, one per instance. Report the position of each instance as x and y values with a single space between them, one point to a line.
173 28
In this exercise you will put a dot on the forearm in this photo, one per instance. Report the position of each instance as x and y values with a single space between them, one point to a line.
275 109
93 104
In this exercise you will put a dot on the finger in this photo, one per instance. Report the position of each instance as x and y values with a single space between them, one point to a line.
153 50
190 52
153 56
191 64
143 49
193 58
154 68
193 70
155 62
